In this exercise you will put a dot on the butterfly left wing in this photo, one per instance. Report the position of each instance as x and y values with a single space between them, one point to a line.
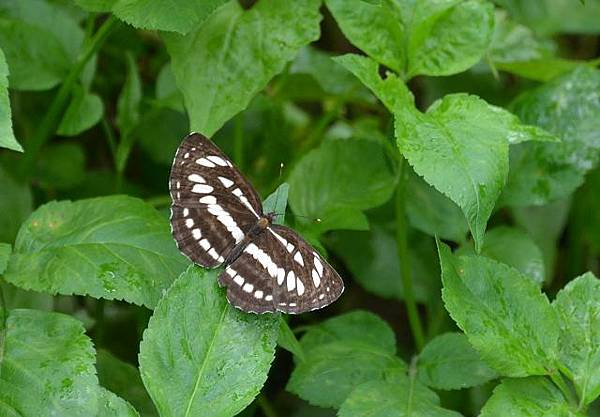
214 206
280 271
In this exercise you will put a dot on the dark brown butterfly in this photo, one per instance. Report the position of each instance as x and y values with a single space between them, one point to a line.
217 219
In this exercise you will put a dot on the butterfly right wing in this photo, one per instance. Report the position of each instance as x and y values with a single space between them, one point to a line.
214 206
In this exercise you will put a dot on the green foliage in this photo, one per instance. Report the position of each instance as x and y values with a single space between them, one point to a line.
392 125
222 358
81 248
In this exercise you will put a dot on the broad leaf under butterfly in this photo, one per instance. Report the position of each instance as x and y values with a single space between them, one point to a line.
217 219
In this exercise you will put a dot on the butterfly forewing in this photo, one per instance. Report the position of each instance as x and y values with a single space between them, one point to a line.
217 218
213 204
280 271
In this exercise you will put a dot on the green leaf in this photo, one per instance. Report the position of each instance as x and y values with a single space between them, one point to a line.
166 91
7 137
503 313
515 248
108 247
392 92
578 308
112 406
170 15
399 397
449 362
372 258
41 42
5 251
221 359
433 213
16 202
17 298
84 111
552 16
468 138
527 397
124 380
341 353
566 106
346 176
236 63
422 37
47 367
287 340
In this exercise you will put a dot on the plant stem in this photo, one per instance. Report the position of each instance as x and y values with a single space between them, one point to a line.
265 406
51 120
405 270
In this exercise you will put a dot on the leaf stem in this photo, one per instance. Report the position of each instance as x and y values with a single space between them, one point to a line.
51 119
559 381
405 269
265 406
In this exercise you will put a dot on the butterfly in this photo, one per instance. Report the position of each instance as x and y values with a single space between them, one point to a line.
217 219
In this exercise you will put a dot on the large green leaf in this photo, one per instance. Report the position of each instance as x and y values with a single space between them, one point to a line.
578 307
239 52
341 353
202 357
528 397
399 397
567 106
84 111
5 251
503 313
40 40
449 362
108 247
460 145
418 37
172 15
16 202
7 137
47 367
124 380
338 180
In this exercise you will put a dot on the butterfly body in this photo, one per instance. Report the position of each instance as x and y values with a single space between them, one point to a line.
217 219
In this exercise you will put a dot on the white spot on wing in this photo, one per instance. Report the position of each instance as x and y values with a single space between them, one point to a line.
208 199
280 276
290 248
298 258
196 178
189 223
196 233
226 182
212 252
217 160
248 287
291 281
318 266
299 286
205 163
205 244
269 298
316 278
202 189
238 280
186 212
258 294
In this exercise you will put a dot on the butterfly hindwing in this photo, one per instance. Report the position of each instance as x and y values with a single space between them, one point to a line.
280 271
213 204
